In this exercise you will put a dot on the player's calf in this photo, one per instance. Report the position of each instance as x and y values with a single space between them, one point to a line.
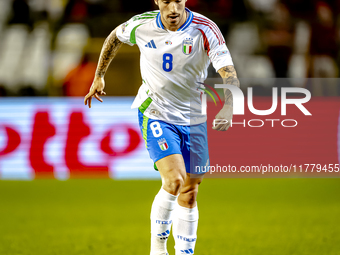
185 229
161 220
185 218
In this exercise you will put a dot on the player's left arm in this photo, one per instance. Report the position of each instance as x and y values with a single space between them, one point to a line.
229 75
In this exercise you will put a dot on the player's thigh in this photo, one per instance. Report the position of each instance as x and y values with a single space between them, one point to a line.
163 142
195 149
172 171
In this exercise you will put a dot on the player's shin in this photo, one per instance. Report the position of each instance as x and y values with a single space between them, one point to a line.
185 223
161 220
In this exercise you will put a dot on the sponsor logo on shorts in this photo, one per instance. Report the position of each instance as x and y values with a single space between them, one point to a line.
163 144
168 43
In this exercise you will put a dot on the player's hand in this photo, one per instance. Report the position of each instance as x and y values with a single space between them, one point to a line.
223 118
96 90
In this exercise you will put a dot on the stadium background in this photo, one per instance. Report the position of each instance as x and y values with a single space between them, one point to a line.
48 55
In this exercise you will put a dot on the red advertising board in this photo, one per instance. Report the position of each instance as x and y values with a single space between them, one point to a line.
258 141
60 138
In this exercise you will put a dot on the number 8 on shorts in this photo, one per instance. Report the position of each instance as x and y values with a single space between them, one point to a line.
156 129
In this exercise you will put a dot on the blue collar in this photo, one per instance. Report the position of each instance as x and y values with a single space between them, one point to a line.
184 26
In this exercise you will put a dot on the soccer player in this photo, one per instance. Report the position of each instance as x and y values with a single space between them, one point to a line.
177 46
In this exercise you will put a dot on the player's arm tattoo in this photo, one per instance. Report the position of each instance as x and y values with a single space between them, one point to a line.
228 73
108 52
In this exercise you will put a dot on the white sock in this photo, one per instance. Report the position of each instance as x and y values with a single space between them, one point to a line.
161 220
184 230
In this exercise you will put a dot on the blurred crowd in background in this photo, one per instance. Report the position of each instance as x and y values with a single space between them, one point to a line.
50 47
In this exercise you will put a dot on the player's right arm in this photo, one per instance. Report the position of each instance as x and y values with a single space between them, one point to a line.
125 33
110 48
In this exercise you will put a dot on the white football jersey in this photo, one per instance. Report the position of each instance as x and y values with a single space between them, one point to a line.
172 63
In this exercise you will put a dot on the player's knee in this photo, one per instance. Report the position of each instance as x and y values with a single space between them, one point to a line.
173 184
188 198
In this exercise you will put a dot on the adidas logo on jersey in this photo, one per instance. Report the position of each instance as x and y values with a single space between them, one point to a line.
151 44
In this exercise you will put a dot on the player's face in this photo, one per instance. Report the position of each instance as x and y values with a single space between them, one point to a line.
172 13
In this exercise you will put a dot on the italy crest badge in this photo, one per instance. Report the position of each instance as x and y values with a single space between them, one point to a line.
188 45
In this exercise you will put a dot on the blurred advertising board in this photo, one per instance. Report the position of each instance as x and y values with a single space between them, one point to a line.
61 138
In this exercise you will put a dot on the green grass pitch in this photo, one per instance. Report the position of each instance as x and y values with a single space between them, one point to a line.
237 217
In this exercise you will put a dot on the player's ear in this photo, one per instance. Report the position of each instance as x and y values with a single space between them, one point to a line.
156 2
